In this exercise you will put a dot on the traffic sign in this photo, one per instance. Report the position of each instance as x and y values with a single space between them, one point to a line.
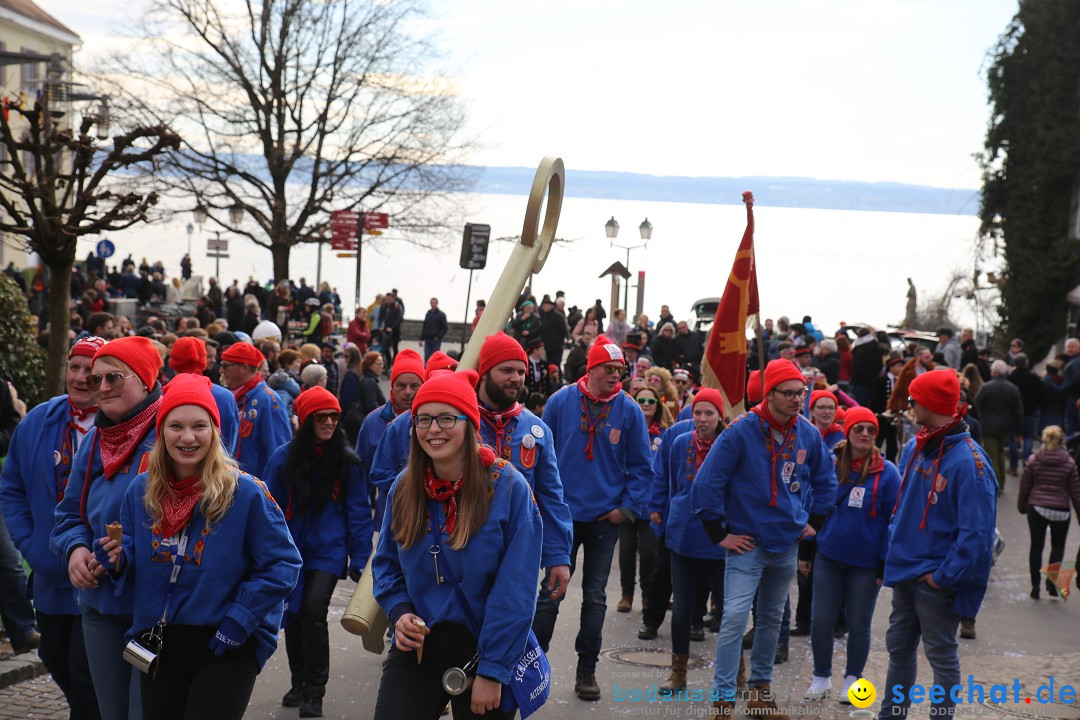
105 249
344 228
376 220
217 254
346 254
474 246
217 245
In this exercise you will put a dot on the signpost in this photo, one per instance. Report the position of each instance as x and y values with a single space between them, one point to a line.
105 249
474 248
347 228
217 248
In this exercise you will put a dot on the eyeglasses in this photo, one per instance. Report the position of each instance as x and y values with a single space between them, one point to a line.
646 401
227 365
327 417
446 422
791 394
115 379
864 430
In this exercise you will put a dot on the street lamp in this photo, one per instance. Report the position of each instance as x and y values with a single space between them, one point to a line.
236 214
190 230
611 228
200 214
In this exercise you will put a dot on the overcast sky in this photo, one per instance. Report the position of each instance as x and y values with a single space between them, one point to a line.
872 90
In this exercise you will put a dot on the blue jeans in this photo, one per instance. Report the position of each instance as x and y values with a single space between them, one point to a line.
15 610
430 348
685 573
116 683
1030 423
920 612
598 538
837 585
768 576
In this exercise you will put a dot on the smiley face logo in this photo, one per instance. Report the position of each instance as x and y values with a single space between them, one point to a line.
862 693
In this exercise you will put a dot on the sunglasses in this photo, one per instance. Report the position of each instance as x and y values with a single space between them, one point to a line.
864 430
327 417
116 380
646 401
611 369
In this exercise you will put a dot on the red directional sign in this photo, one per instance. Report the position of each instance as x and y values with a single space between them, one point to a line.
376 221
344 227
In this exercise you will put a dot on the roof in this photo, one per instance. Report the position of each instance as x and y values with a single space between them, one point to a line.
29 9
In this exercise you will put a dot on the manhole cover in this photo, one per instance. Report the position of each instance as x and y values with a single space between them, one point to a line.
1035 709
648 657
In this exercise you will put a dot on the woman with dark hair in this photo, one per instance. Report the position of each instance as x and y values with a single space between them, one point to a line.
371 394
352 414
317 480
461 540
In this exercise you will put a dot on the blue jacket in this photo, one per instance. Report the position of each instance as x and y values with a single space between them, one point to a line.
242 568
854 536
956 544
733 488
659 476
392 452
530 450
264 427
367 441
672 497
33 474
687 413
620 473
833 438
497 571
230 423
103 499
334 537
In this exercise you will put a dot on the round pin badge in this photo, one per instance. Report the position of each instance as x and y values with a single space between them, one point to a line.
528 442
56 457
794 486
537 431
933 498
254 402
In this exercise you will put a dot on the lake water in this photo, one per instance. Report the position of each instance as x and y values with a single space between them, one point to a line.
833 265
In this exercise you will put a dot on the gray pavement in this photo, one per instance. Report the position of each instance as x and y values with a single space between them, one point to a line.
1018 639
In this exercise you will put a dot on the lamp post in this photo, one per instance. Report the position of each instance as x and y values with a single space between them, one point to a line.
611 228
190 231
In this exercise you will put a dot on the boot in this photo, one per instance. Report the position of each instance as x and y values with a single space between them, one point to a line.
967 628
740 679
762 703
585 685
625 604
646 632
722 708
676 680
294 697
311 707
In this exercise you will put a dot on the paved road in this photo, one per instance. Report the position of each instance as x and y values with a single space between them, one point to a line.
1018 639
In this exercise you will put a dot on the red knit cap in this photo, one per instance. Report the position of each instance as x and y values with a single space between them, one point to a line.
839 416
604 351
711 396
456 389
188 355
138 353
408 361
499 348
937 390
754 394
857 415
779 371
243 353
86 346
820 394
188 389
440 361
313 400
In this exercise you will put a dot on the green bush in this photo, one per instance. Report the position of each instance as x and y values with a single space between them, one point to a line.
22 360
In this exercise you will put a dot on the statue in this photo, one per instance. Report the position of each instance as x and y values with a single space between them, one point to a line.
910 316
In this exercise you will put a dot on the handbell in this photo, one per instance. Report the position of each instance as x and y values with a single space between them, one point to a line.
454 680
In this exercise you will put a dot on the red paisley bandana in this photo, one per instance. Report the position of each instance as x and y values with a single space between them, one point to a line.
177 506
119 441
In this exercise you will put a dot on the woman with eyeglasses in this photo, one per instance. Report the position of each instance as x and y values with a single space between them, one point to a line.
850 559
208 556
823 407
462 527
123 380
692 554
318 482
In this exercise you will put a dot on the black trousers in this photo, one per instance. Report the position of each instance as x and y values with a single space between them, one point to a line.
636 541
414 691
1037 524
193 684
64 654
307 637
658 592
803 609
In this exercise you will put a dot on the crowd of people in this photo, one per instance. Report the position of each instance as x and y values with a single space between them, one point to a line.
213 481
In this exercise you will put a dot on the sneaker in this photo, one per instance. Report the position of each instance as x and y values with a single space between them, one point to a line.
293 698
646 632
849 680
697 634
625 604
800 631
967 629
585 686
819 689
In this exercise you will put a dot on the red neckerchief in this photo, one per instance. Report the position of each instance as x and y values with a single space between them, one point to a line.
244 389
80 414
501 426
67 446
831 429
654 429
446 492
921 441
877 465
789 433
698 449
588 422
119 441
178 503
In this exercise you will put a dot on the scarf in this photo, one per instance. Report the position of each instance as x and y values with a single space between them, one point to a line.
831 429
654 429
68 446
119 441
178 503
244 389
762 411
588 422
501 424
877 465
788 432
921 441
445 492
700 448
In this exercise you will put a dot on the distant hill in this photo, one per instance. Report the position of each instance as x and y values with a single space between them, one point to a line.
774 191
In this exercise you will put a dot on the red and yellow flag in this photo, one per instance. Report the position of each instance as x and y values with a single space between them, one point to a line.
724 364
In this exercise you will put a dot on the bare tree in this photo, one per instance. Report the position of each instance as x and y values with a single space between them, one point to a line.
58 185
293 108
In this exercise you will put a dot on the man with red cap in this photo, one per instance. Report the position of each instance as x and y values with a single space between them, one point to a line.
602 442
188 355
33 481
406 377
264 422
767 483
521 438
941 541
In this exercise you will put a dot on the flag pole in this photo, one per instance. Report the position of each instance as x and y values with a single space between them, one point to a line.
762 360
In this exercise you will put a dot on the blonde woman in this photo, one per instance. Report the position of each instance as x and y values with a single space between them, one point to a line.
660 379
218 534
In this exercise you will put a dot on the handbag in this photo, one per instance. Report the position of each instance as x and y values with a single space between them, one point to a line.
530 683
363 616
